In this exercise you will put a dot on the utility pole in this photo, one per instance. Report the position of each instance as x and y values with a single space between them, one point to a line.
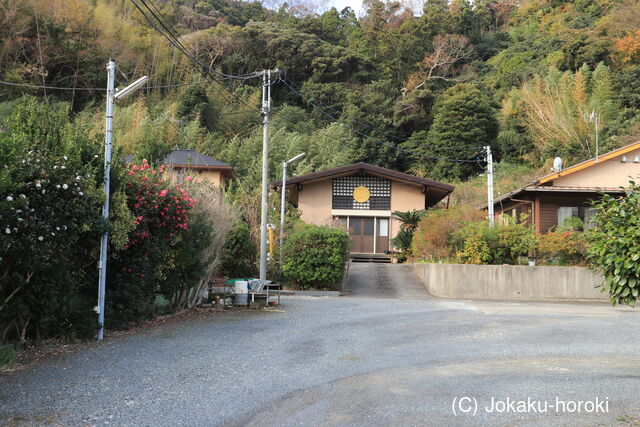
597 118
266 109
490 184
590 118
102 264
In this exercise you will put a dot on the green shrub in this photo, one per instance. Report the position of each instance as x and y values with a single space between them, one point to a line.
7 355
572 223
402 241
475 243
478 243
515 239
163 252
562 248
432 239
50 212
187 262
315 256
615 245
239 254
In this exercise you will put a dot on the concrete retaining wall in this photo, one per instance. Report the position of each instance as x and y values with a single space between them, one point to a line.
510 282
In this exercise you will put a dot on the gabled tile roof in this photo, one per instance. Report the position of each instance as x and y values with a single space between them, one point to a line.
186 158
365 167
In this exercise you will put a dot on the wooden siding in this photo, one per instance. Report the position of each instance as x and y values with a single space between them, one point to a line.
549 204
548 216
544 216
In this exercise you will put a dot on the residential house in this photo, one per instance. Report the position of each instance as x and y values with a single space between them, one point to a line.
181 163
550 200
362 197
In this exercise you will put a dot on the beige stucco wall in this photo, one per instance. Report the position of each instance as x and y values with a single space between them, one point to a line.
404 198
315 203
314 200
213 176
610 173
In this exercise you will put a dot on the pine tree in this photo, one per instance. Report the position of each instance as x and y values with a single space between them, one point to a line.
464 120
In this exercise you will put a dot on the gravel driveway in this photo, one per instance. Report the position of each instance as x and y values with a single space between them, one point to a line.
344 361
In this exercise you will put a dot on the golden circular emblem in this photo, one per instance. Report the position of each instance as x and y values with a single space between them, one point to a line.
361 194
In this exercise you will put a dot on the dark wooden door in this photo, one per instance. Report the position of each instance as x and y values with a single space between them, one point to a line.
361 232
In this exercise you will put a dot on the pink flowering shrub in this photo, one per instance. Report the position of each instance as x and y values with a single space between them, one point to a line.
161 210
162 253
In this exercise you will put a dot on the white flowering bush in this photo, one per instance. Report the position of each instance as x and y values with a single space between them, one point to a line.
51 221
50 225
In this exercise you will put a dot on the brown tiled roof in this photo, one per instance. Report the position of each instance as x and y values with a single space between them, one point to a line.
365 167
555 188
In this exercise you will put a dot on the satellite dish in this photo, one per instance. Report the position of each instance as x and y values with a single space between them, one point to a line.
557 164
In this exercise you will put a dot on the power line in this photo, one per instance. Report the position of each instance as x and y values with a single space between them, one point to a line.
102 89
472 160
292 86
51 87
171 35
176 36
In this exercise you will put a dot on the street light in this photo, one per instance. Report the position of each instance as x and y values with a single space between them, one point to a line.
283 197
123 93
112 95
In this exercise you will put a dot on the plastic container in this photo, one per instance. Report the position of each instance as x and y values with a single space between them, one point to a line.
241 290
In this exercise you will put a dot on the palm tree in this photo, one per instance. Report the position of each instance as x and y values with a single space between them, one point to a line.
410 219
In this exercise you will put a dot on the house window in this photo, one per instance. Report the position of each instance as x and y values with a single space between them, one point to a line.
383 227
584 213
588 218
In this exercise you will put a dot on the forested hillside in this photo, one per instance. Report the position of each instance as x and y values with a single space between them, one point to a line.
417 90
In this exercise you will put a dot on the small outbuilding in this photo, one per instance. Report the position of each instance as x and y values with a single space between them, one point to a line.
362 197
183 162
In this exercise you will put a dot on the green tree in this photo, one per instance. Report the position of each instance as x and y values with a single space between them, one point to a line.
464 120
409 220
194 104
50 211
239 254
435 18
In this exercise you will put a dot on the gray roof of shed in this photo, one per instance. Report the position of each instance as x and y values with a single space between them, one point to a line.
186 157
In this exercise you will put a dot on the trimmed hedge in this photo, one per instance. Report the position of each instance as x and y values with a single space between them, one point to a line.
315 256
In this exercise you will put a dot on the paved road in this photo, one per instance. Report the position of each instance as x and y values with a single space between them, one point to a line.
344 361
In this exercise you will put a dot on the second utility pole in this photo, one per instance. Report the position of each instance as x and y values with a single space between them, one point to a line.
264 211
490 184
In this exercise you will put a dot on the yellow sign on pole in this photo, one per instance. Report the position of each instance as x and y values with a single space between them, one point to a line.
272 240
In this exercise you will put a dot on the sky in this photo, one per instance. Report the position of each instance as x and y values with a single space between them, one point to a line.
356 5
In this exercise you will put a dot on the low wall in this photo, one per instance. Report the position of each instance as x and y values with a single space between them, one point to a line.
510 282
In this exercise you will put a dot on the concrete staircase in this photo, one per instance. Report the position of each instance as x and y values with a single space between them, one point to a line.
380 258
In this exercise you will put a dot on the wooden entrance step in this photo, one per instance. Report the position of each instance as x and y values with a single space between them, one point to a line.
357 257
